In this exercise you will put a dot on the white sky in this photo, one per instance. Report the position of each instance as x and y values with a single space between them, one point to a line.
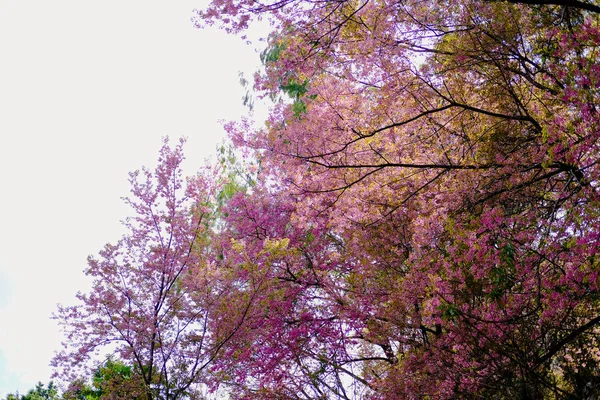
87 90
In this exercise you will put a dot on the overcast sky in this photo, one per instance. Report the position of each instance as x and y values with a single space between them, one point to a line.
87 90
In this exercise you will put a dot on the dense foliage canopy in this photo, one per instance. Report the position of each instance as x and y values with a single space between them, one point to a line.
418 217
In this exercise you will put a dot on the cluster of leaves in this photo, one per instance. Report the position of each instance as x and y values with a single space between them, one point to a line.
112 380
420 221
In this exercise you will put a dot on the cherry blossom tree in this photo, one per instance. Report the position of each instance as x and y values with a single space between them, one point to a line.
155 291
443 159
420 221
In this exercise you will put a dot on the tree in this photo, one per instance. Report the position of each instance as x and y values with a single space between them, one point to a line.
111 380
40 392
446 154
155 291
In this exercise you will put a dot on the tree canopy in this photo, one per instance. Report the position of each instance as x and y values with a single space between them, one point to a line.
421 218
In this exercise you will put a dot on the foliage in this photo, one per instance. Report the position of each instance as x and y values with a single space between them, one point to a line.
111 380
421 219
437 191
40 392
154 292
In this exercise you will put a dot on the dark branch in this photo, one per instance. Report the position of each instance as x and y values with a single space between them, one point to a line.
565 3
556 347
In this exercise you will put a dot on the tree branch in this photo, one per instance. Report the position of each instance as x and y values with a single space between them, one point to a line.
565 3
